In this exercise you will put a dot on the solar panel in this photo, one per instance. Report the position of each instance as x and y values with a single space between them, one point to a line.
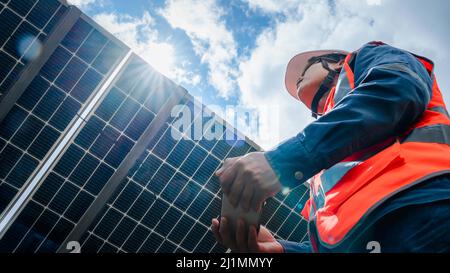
122 183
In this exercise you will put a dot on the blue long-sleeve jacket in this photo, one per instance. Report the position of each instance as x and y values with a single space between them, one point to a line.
384 103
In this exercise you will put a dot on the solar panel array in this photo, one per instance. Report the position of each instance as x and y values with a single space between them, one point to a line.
170 195
165 199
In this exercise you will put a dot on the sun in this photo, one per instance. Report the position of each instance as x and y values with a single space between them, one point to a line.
161 56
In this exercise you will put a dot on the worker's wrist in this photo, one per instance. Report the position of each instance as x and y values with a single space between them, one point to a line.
291 162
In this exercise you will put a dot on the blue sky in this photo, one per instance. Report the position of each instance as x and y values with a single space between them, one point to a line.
235 52
246 24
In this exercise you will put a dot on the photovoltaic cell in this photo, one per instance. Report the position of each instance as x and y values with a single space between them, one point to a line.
71 73
22 7
79 206
107 56
84 169
105 141
65 113
7 192
75 38
110 104
10 21
138 124
63 198
12 122
86 85
136 239
48 189
55 64
124 114
92 46
90 132
36 91
98 179
41 13
49 103
43 142
26 133
21 171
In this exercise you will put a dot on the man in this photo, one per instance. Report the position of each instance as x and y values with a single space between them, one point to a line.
379 154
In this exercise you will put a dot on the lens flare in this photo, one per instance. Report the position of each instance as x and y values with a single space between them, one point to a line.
29 47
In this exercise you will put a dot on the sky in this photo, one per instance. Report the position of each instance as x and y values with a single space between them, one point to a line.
233 53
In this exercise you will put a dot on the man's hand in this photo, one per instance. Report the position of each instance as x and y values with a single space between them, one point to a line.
248 180
253 242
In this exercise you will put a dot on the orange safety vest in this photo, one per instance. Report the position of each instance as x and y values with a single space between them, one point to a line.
342 196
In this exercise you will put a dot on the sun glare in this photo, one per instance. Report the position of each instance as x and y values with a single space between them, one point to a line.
159 55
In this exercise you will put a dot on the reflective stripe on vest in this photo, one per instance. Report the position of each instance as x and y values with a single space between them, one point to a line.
335 173
436 133
440 109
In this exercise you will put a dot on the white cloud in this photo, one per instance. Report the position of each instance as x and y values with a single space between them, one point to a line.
81 3
271 6
141 35
213 42
417 26
374 2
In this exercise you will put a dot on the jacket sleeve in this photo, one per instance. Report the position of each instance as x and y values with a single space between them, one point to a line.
392 89
294 247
